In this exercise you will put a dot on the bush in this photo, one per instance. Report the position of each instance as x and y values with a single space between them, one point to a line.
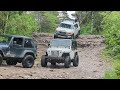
110 75
111 26
112 33
86 29
115 73
23 24
50 22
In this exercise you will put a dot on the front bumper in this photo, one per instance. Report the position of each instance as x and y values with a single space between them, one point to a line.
55 59
60 35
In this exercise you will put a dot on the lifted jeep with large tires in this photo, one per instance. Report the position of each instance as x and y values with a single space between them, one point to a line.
17 49
61 51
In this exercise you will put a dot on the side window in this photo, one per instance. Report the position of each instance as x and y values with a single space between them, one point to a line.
28 43
18 41
74 45
76 26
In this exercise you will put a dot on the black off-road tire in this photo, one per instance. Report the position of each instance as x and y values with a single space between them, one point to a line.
76 61
11 62
67 62
1 59
28 61
43 61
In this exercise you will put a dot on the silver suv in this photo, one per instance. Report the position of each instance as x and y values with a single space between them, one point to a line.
68 29
61 51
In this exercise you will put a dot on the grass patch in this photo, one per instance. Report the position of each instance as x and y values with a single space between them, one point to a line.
110 75
115 72
86 30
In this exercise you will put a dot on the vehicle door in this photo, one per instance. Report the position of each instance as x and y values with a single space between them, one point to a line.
29 45
16 47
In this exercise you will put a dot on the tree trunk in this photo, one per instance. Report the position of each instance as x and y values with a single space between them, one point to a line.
39 18
5 28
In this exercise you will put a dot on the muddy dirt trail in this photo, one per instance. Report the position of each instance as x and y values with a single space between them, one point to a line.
91 65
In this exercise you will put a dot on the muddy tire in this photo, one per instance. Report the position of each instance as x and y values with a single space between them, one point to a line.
43 61
10 62
1 59
28 61
67 62
76 61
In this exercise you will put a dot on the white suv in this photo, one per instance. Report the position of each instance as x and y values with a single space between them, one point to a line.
61 51
68 29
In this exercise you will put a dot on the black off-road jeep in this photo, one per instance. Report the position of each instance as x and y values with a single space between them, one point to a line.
15 49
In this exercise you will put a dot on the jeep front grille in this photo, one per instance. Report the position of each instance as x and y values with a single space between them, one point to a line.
55 53
62 33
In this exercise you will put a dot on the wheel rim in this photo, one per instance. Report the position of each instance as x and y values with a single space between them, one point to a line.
29 62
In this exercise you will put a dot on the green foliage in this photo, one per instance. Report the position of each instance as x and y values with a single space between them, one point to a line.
23 24
115 72
110 75
85 18
86 30
111 26
5 17
47 20
112 32
50 22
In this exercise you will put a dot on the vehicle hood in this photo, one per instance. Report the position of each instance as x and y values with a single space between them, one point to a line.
65 30
3 45
58 49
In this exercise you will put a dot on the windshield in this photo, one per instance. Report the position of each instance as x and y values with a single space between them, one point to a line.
5 39
63 25
60 43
